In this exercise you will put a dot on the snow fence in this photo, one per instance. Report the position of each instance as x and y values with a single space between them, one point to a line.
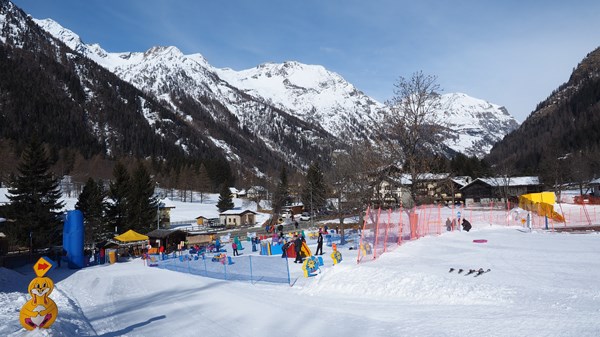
253 268
386 229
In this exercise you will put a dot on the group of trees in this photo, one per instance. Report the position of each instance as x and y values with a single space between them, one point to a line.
35 210
408 137
560 140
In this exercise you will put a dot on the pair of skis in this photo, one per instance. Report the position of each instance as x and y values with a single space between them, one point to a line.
477 272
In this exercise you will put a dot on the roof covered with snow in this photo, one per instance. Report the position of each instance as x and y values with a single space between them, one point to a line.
236 212
508 181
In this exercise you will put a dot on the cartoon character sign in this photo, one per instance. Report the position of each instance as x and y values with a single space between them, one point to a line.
336 256
40 311
311 265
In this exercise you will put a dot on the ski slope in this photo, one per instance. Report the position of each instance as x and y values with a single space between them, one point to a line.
540 284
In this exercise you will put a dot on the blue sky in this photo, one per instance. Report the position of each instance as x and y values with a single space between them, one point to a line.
512 53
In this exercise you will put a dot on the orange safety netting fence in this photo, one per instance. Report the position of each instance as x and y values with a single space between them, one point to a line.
385 229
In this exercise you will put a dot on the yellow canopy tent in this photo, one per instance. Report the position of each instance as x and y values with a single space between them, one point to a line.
128 244
131 236
541 204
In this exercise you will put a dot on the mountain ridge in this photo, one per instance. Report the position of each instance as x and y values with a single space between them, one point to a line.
563 126
310 93
162 105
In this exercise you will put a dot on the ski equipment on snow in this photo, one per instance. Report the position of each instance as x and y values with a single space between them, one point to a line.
481 272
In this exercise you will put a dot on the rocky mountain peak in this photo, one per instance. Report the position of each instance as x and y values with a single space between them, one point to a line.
311 95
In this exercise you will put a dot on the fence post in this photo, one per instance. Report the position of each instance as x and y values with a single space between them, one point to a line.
413 219
400 227
387 226
287 266
362 234
376 234
250 258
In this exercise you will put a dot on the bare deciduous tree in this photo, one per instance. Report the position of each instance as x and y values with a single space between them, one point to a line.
414 126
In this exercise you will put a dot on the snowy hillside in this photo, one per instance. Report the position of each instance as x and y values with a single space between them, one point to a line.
310 93
475 125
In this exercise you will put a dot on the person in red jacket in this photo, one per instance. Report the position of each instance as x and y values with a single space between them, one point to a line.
234 247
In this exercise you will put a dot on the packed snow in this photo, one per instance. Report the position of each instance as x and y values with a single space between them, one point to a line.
540 283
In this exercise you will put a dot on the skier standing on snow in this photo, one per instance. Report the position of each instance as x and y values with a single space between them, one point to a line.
319 244
234 247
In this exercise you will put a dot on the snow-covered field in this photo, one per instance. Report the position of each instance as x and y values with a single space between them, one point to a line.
540 284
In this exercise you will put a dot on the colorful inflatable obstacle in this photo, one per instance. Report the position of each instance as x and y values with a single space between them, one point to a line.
336 255
277 249
222 258
541 204
305 251
310 266
265 247
238 243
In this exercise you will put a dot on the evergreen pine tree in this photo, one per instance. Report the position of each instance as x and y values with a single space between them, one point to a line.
225 202
142 203
34 200
314 194
118 193
91 204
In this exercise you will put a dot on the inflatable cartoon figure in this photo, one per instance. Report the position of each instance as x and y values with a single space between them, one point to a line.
40 311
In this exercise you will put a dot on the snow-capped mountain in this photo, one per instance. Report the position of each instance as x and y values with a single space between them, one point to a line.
299 103
192 87
474 125
310 92
53 93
